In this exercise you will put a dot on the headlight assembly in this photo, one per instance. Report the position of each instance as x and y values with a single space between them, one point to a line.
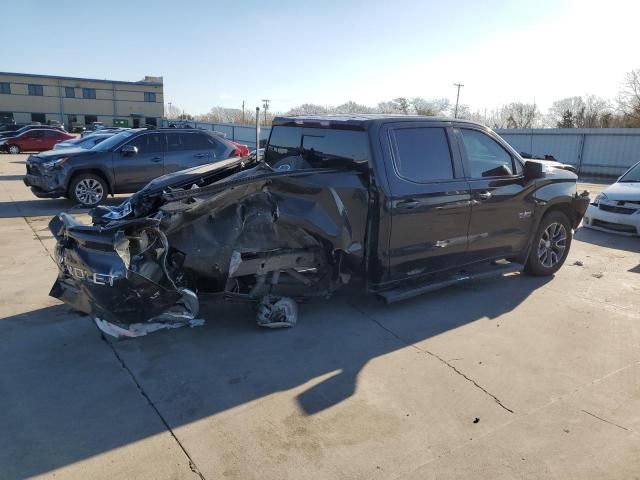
601 196
54 163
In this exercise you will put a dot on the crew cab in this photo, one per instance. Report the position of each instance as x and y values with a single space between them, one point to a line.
400 204
123 163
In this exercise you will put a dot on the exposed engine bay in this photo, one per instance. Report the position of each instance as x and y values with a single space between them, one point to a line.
223 231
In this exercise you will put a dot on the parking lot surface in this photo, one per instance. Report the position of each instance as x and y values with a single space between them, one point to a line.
518 377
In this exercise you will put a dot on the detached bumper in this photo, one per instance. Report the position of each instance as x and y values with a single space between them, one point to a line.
579 204
94 276
620 223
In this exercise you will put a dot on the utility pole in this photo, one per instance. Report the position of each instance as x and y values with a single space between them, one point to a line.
455 115
265 105
257 130
170 110
243 111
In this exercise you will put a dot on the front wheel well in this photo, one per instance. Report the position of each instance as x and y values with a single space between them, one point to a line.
92 171
565 208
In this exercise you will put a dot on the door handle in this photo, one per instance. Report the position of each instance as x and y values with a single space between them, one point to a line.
201 155
486 195
408 204
156 159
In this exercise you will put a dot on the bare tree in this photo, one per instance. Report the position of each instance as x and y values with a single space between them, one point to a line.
352 107
578 112
403 104
519 115
172 111
629 98
308 109
432 107
388 107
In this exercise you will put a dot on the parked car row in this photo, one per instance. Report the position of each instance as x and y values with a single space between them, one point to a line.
33 139
122 162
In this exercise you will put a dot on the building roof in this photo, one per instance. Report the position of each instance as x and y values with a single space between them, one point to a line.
146 81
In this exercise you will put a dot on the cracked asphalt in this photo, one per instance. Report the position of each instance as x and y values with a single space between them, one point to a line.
517 377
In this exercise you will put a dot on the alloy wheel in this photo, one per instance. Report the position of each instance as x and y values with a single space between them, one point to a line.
89 191
552 245
14 149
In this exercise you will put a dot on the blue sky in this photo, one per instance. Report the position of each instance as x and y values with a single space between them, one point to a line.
328 52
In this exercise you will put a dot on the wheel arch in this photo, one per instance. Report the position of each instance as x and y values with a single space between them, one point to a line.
95 171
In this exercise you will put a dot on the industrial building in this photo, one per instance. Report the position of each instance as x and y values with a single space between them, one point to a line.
72 101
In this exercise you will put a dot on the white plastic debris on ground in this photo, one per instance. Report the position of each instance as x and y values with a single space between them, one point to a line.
142 329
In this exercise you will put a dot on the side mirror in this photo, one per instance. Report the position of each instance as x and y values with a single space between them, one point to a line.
129 150
533 170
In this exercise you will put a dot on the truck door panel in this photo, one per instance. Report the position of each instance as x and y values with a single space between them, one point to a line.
430 200
502 206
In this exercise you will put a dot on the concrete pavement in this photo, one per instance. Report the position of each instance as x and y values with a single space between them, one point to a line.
516 377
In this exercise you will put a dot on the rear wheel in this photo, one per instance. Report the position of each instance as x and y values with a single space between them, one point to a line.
550 245
15 149
88 189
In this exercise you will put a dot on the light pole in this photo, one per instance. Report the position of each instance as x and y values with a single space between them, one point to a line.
265 105
459 85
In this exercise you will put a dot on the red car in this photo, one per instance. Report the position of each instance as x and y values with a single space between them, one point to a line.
241 150
35 140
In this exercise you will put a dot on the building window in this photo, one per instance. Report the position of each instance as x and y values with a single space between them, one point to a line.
89 93
5 87
149 97
38 118
151 121
6 117
89 119
70 92
35 90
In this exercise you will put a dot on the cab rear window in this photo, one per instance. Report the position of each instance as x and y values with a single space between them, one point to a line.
302 147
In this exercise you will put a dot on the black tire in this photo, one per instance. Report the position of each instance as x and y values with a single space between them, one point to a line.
88 189
550 245
14 149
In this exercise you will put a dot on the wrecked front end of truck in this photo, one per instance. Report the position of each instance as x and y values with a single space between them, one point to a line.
235 232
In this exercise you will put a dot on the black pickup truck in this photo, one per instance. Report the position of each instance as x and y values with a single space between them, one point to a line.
402 204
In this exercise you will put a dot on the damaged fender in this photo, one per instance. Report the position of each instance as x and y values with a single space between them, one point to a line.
253 234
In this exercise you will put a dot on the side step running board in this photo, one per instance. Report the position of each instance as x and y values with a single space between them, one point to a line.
403 293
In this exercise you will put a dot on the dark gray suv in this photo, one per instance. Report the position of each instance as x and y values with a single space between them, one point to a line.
123 163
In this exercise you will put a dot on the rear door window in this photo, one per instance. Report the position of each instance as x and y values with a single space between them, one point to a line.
422 154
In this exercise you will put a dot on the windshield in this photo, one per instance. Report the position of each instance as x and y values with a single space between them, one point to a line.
111 142
633 175
22 130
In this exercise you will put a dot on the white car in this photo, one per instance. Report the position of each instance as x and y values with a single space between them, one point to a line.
617 208
85 143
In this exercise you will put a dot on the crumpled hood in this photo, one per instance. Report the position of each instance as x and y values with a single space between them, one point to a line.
178 178
623 191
